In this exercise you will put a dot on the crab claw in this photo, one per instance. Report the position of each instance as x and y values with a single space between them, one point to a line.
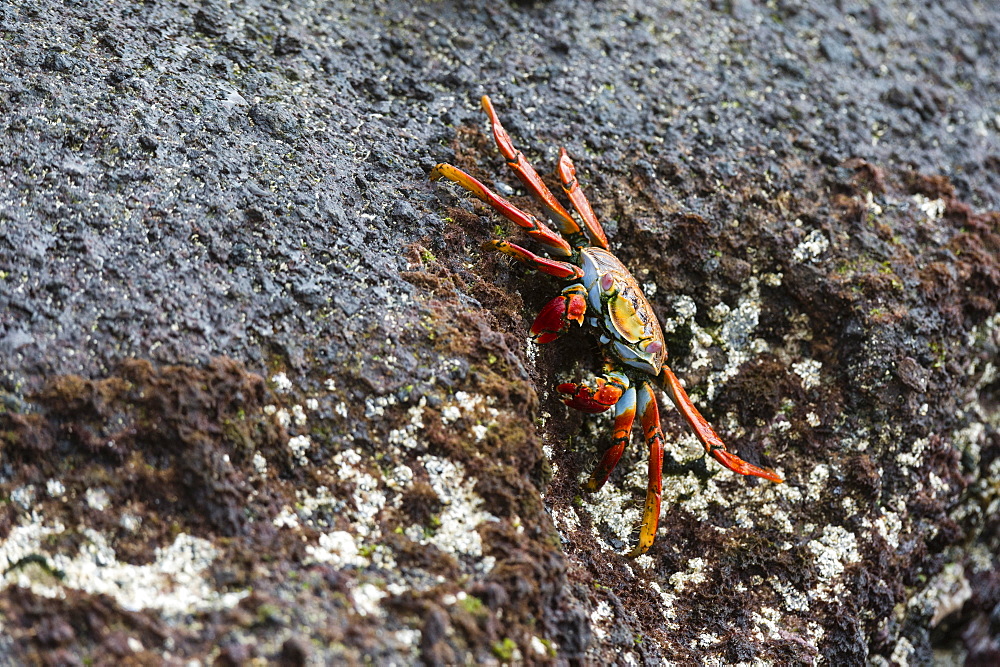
585 399
582 397
553 321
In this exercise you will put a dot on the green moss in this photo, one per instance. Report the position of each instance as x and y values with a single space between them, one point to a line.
550 650
473 605
504 649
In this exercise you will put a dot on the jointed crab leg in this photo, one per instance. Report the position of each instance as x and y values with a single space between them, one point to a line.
517 162
567 174
624 417
553 267
705 433
649 417
536 229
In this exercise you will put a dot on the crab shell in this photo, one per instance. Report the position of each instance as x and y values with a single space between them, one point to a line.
629 328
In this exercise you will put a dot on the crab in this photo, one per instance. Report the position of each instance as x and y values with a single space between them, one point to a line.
604 295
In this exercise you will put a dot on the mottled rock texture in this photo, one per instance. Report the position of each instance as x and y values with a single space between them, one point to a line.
265 397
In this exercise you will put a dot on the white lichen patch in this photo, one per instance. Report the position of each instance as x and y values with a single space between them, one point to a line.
368 498
871 205
475 407
795 600
174 584
817 481
375 405
814 245
337 548
694 575
407 436
400 477
287 518
299 445
96 499
282 384
914 457
366 598
768 622
969 441
24 496
565 519
808 371
461 515
55 488
735 336
667 608
299 415
614 509
932 208
833 550
901 653
600 618
719 312
283 417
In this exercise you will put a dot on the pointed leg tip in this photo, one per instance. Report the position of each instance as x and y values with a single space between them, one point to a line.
741 467
639 550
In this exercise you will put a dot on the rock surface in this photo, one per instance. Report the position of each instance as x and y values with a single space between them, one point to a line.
264 397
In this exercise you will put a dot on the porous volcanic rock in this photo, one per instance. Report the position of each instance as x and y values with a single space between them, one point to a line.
264 397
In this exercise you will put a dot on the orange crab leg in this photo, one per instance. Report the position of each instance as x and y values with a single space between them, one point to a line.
536 229
567 174
624 417
517 162
649 417
703 430
552 267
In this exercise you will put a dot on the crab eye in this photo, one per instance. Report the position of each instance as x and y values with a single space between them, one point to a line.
607 282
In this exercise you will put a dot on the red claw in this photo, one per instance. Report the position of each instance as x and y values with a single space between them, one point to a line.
555 317
583 398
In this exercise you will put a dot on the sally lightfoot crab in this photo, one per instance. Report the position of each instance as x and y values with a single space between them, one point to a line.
603 294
